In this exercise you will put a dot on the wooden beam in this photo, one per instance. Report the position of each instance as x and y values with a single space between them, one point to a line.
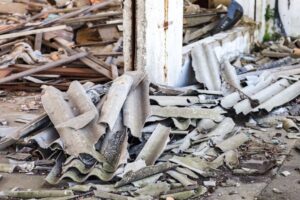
43 67
38 41
32 32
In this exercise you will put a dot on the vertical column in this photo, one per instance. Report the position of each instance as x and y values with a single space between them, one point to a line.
159 29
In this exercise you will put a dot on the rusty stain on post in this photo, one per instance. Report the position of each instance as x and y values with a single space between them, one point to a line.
166 17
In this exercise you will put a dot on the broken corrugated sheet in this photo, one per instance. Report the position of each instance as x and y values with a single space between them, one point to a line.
137 108
210 53
101 131
195 112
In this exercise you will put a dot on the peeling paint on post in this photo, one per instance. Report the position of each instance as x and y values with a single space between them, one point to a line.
159 39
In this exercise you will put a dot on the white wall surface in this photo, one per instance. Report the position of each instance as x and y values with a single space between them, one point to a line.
290 14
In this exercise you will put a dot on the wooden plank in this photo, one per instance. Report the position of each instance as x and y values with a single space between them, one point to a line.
43 68
63 71
32 32
38 41
109 33
5 72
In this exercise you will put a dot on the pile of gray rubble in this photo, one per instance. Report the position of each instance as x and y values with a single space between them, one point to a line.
131 139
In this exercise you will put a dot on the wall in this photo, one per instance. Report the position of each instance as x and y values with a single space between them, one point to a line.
290 16
289 12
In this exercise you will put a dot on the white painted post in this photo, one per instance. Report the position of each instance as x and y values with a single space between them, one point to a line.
159 29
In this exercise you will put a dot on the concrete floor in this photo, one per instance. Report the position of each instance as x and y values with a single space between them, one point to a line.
11 107
289 186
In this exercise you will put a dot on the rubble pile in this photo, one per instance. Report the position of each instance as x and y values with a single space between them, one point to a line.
56 42
110 134
279 57
132 139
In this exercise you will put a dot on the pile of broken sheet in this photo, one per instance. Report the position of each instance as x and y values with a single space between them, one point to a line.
55 42
279 57
178 143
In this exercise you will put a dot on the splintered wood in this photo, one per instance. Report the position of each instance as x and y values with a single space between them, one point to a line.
52 42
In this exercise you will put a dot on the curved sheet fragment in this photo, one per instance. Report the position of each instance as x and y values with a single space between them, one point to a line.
215 136
280 99
76 164
233 98
195 164
137 108
75 142
117 96
230 75
182 124
245 106
145 172
38 123
155 145
84 105
114 146
45 138
194 112
76 176
206 66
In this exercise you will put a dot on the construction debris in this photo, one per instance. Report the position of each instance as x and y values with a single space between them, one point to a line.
58 42
110 133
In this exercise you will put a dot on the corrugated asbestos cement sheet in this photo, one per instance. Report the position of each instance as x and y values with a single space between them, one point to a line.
209 53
